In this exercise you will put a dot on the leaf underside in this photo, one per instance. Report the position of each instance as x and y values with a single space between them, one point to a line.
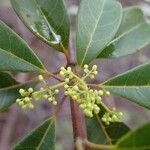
132 35
133 85
97 24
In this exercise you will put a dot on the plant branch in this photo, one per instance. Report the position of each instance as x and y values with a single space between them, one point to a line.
77 121
49 74
92 146
59 105
77 117
79 144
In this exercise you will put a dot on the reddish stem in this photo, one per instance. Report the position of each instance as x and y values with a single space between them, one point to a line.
77 121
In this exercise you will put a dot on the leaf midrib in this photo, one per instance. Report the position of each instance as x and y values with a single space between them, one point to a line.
126 86
47 130
13 55
50 27
134 148
88 46
125 33
16 85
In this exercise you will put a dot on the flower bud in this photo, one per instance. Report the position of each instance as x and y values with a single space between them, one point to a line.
94 67
54 102
24 107
86 66
27 99
31 107
56 91
30 90
18 100
40 77
107 93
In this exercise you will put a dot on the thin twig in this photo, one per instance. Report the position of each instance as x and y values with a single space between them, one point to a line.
103 129
60 105
79 144
54 76
92 146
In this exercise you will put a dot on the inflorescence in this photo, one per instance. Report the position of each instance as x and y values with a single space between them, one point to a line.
46 93
88 99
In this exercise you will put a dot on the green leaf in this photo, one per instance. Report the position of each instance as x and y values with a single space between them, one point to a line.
6 80
135 140
41 138
47 19
97 24
99 133
9 90
133 35
133 85
15 54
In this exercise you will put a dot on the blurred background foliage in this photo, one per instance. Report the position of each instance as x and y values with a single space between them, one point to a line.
14 123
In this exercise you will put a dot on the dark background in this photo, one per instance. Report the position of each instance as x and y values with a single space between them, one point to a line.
14 123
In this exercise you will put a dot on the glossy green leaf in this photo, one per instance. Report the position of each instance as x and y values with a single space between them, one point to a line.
9 90
133 35
135 140
15 54
133 85
47 19
41 138
99 133
97 24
